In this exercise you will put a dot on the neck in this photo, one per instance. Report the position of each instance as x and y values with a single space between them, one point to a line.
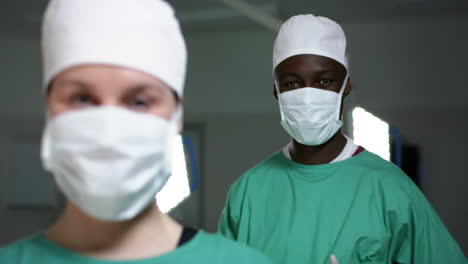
315 155
149 234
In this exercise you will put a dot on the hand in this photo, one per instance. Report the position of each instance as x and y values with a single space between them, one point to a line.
333 260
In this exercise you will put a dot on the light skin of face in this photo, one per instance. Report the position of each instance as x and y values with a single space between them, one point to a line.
98 85
87 86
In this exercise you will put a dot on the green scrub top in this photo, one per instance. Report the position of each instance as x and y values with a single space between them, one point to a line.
363 210
202 248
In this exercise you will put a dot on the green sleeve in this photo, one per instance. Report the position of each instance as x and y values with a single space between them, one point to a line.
6 256
228 222
419 236
228 225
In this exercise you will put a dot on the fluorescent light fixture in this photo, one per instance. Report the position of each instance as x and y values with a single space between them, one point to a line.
371 132
177 187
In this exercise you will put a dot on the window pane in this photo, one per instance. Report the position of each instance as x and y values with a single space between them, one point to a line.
371 132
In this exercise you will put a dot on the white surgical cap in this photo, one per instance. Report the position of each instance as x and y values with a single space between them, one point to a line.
140 34
308 34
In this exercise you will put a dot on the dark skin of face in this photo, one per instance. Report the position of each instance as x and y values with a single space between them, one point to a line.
319 72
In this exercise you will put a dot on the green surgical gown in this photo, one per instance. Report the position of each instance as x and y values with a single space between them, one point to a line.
203 248
363 210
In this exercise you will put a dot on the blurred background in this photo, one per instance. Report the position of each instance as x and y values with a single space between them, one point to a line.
408 61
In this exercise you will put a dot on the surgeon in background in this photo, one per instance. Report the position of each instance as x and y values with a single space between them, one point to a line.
114 73
322 195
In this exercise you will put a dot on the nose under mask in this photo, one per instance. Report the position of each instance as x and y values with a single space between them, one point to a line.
109 161
311 115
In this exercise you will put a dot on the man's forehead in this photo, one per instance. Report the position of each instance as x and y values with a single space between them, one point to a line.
310 62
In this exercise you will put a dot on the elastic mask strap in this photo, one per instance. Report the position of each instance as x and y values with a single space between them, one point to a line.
279 99
177 114
345 82
176 119
277 91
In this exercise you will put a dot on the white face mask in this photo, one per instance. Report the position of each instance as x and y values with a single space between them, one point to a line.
109 161
311 115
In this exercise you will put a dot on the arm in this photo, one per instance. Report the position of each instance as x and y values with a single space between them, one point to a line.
420 237
227 225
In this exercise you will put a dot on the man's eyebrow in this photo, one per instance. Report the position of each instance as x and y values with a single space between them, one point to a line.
298 76
289 74
327 71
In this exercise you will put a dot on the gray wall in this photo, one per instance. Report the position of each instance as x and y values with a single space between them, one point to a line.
409 72
17 222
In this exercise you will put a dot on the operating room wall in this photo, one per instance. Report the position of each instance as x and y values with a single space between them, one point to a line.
20 116
409 72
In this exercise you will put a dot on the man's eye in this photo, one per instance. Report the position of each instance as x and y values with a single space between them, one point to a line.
325 82
292 84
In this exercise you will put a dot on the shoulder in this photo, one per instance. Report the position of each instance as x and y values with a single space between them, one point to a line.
16 250
381 169
391 181
258 173
273 162
255 180
230 251
374 162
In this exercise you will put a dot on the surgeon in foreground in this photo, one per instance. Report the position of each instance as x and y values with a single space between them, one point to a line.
322 195
114 72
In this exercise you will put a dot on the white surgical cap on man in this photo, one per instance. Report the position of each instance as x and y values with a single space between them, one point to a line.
140 34
309 34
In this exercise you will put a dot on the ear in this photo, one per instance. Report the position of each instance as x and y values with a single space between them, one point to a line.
275 92
348 88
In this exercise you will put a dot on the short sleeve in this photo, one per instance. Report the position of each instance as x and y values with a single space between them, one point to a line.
419 235
228 222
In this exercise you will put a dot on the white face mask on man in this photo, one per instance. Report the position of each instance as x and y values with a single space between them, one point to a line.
109 161
311 115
